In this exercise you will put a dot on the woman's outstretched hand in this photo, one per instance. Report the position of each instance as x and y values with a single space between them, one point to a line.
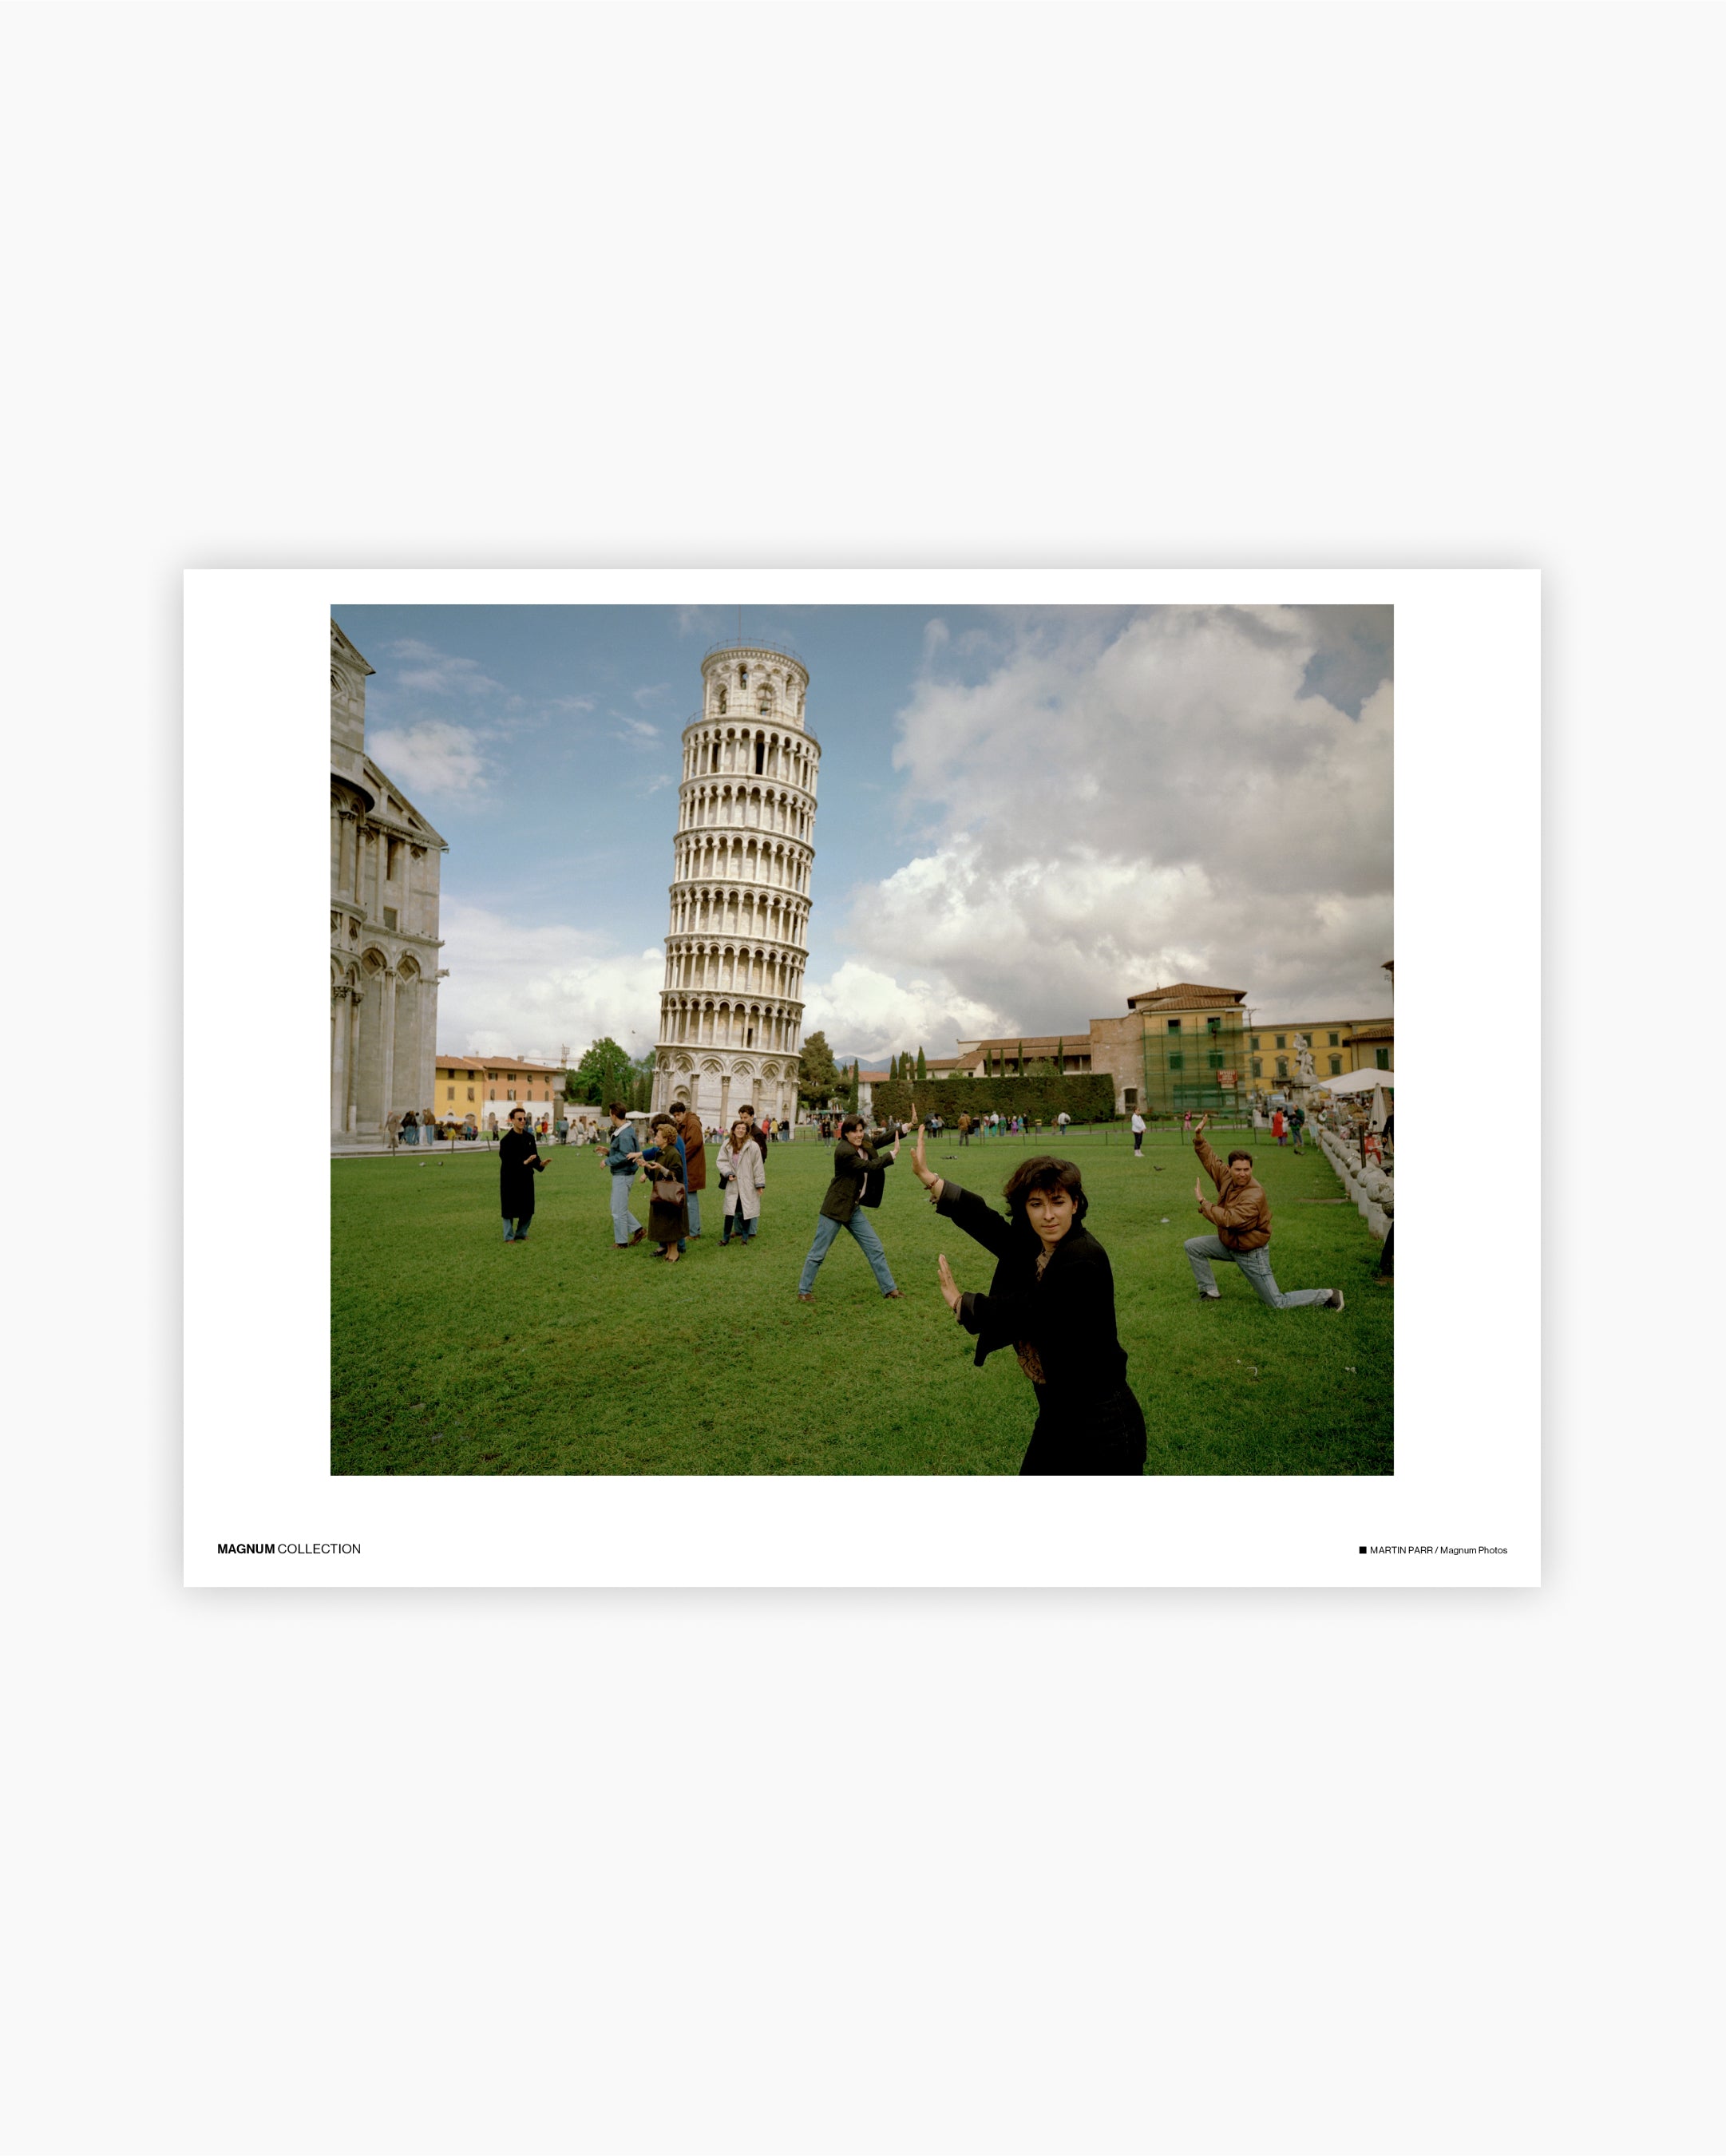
920 1167
949 1285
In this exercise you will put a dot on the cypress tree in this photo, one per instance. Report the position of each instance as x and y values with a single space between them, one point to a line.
923 1068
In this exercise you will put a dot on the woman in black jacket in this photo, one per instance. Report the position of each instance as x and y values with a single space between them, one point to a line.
1052 1300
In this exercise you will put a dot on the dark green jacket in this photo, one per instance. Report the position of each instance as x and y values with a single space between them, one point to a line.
851 1165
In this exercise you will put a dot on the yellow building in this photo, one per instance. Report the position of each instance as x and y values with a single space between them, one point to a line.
1340 1047
483 1087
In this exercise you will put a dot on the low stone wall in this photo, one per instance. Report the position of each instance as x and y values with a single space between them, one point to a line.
1373 1191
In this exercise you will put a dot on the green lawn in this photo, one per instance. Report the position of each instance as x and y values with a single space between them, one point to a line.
454 1354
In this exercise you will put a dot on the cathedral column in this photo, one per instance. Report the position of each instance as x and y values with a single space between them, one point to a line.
339 1023
350 1030
387 984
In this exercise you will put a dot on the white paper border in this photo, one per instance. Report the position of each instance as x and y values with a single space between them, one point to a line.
1468 871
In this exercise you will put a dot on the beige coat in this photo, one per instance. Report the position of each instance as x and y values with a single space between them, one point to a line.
743 1176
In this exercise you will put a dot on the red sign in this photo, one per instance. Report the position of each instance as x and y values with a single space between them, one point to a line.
1225 1077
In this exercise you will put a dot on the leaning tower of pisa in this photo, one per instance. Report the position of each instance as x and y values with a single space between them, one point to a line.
730 1012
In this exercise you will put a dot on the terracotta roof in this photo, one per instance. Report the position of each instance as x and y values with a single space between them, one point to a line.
1381 1028
498 1062
1184 995
1041 1044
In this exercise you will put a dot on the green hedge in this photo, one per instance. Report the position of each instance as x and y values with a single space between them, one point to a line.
1087 1098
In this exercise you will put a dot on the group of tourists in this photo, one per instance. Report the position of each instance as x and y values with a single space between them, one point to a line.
675 1161
1051 1298
1290 1124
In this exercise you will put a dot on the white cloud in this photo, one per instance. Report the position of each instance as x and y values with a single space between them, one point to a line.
868 1010
435 761
629 729
437 673
526 990
1117 805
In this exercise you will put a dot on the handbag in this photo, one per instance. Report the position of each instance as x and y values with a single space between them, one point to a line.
667 1190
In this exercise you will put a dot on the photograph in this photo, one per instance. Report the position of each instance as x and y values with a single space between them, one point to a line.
950 1039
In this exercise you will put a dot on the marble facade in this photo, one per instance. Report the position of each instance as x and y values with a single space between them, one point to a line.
385 861
731 1011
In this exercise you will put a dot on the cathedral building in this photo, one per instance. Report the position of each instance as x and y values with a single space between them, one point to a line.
731 1011
384 866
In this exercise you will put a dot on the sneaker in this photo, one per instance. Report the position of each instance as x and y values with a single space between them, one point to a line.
1333 1301
1210 1295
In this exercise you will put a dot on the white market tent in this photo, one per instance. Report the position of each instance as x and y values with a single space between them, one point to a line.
1359 1081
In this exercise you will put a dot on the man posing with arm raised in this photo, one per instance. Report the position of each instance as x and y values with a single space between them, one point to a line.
1241 1215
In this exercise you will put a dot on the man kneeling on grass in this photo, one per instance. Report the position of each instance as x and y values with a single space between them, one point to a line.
1242 1216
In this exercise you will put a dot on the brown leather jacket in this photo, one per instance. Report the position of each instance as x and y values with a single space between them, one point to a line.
1242 1216
695 1150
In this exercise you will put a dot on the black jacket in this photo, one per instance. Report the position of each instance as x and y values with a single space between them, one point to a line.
853 1169
1068 1316
517 1160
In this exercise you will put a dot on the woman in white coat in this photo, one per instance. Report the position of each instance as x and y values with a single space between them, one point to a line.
742 1173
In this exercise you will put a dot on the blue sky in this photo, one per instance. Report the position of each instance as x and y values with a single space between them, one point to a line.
1025 814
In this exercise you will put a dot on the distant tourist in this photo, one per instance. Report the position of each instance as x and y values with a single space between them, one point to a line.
1061 1123
748 1115
688 1126
620 1160
663 1163
518 1162
856 1160
741 1176
1242 1216
1279 1127
964 1128
1138 1136
562 1130
410 1128
1298 1124
1052 1301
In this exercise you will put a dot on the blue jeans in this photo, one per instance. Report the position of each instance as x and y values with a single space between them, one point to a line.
693 1201
623 1223
867 1241
1204 1250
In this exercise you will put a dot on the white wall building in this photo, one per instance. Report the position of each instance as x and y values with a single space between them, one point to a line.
384 865
731 1011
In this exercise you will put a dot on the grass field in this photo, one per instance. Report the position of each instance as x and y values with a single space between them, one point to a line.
454 1354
